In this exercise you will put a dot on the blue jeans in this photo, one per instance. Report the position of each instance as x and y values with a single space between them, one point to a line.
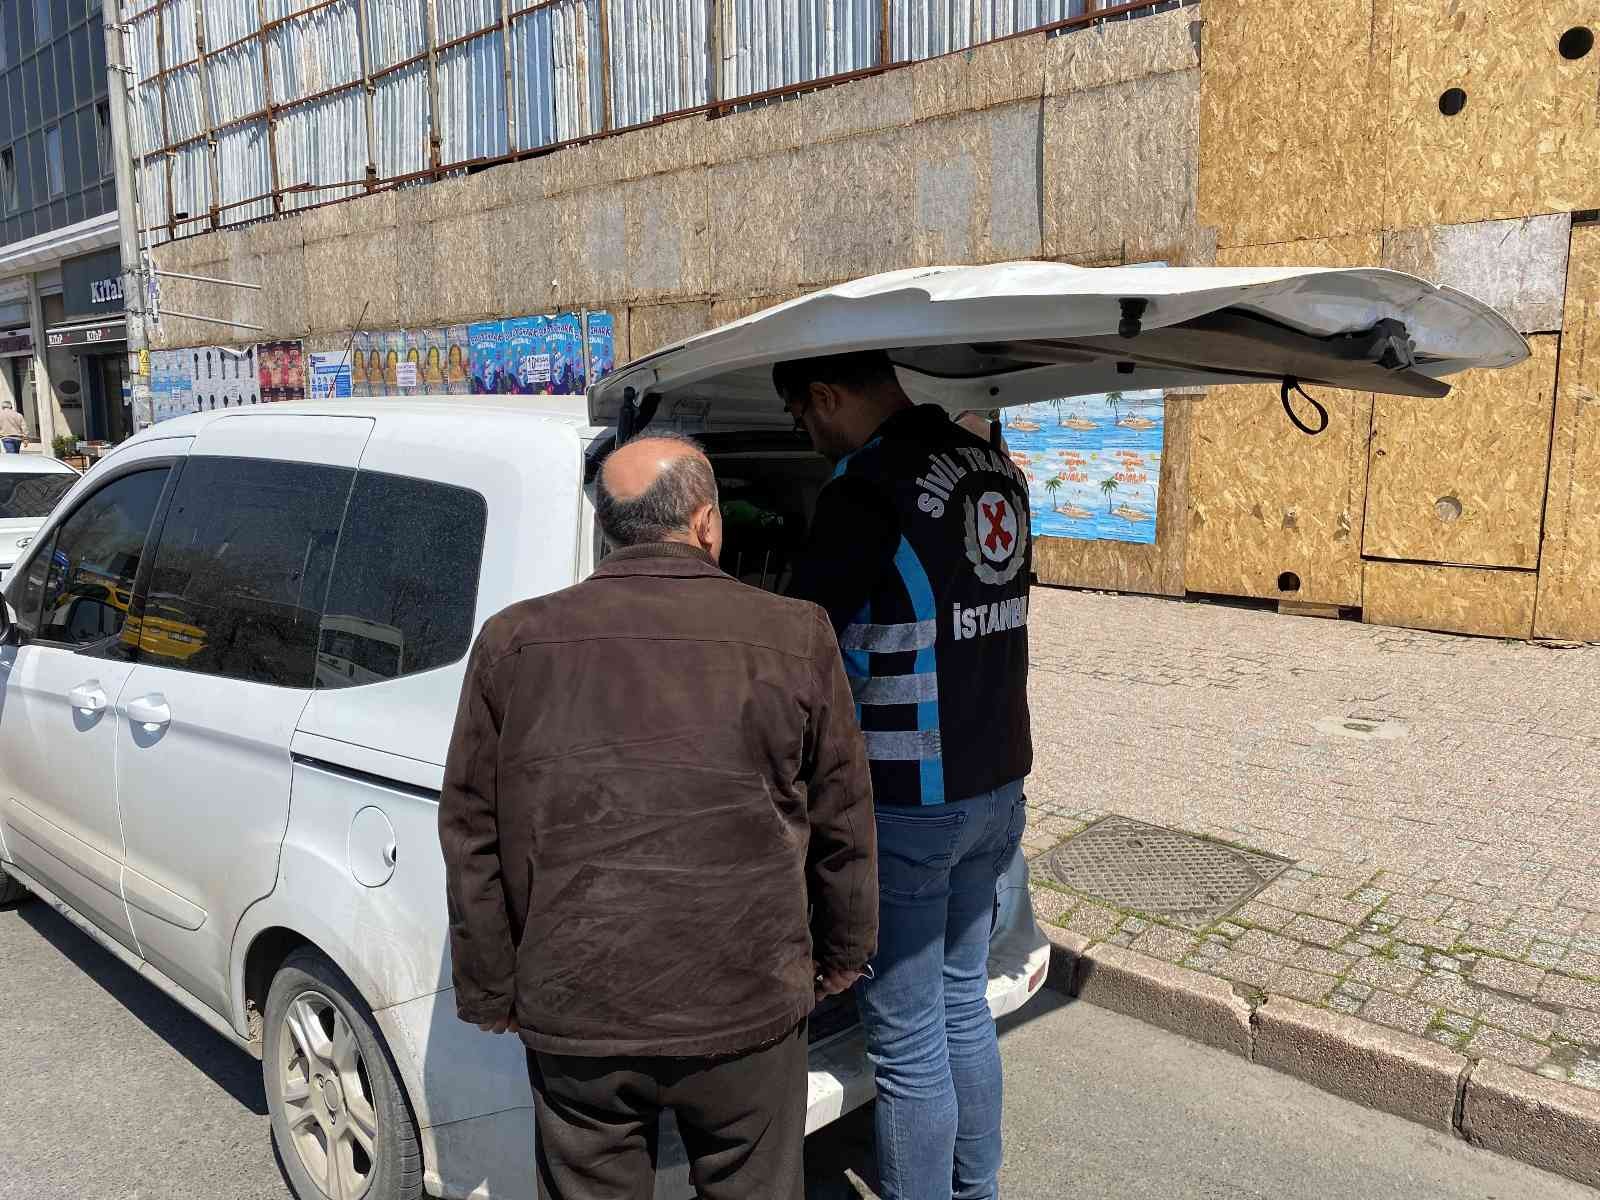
929 1033
11 445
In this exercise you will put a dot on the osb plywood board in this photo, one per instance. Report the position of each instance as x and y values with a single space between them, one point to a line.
1462 480
1266 500
1361 250
1569 566
976 186
652 326
1122 51
1294 111
1529 136
1155 569
1450 599
1119 170
1519 266
983 76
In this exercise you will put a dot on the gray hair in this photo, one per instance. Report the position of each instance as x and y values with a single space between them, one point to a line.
666 507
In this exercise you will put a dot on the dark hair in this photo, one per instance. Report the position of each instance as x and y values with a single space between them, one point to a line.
665 507
862 370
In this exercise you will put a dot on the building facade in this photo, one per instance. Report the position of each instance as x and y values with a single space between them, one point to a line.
62 336
708 167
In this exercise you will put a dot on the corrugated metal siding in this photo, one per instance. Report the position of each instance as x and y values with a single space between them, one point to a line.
191 183
472 99
766 44
401 104
396 30
928 28
322 142
314 52
243 171
658 58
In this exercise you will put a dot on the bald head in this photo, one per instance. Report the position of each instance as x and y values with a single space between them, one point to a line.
659 489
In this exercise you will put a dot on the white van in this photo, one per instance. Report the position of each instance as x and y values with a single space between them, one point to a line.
230 661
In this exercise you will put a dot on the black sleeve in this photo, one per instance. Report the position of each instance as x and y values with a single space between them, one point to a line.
854 536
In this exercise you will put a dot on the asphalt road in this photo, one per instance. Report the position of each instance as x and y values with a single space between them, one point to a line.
108 1091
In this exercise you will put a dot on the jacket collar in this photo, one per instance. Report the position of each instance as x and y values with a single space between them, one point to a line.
671 559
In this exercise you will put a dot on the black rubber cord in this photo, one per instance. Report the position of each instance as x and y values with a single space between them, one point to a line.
1291 385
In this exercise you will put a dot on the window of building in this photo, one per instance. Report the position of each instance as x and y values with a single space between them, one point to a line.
41 22
86 578
10 199
386 618
102 138
55 168
241 572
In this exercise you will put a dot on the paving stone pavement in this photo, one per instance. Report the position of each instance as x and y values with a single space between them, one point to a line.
1439 797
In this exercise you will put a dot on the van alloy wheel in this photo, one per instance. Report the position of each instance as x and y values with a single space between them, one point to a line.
340 1117
328 1097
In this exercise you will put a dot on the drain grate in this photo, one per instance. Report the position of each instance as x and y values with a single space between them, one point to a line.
1164 872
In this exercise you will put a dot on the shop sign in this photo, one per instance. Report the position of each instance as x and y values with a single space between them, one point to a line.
86 335
92 283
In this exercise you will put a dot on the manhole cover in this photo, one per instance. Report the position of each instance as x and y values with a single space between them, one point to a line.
1169 874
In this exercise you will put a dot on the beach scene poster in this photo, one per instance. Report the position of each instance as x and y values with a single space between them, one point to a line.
1093 464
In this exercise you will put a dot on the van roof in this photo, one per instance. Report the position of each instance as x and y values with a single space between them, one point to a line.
33 464
570 411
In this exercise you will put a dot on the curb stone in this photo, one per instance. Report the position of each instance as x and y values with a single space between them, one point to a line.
1541 1121
1545 1123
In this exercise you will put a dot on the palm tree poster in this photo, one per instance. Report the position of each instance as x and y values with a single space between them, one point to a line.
1092 463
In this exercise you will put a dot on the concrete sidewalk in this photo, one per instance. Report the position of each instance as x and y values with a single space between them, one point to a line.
1440 797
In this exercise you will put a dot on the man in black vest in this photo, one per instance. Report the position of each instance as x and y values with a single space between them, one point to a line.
920 554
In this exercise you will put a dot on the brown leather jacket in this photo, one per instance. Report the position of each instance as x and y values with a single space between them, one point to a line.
653 776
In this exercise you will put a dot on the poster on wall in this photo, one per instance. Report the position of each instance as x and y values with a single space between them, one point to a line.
394 349
486 340
457 361
331 375
408 371
433 356
564 343
360 347
281 371
223 377
601 333
1093 464
527 357
171 384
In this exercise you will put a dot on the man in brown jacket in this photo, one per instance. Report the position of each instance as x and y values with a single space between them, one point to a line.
654 776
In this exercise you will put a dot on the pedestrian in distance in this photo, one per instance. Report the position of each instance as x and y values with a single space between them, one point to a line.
659 847
920 553
13 429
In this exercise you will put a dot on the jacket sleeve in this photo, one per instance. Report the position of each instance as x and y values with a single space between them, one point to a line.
482 952
842 864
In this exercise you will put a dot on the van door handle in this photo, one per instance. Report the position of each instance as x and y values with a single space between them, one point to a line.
88 698
149 711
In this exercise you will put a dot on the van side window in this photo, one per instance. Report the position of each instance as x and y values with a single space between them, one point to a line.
241 570
405 587
82 585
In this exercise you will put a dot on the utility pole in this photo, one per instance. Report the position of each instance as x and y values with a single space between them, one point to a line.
119 76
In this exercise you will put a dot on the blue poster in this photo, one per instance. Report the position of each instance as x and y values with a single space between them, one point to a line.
1093 464
602 337
527 359
485 342
564 337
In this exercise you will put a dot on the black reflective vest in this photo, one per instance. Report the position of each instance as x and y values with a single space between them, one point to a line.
938 656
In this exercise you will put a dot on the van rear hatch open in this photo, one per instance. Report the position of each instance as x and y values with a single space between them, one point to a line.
1015 333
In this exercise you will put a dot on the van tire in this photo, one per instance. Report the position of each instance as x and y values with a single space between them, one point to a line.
318 990
11 890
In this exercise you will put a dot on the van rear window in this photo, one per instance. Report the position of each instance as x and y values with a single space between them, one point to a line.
31 494
404 593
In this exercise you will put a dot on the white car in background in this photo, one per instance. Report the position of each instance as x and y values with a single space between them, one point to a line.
30 485
230 662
